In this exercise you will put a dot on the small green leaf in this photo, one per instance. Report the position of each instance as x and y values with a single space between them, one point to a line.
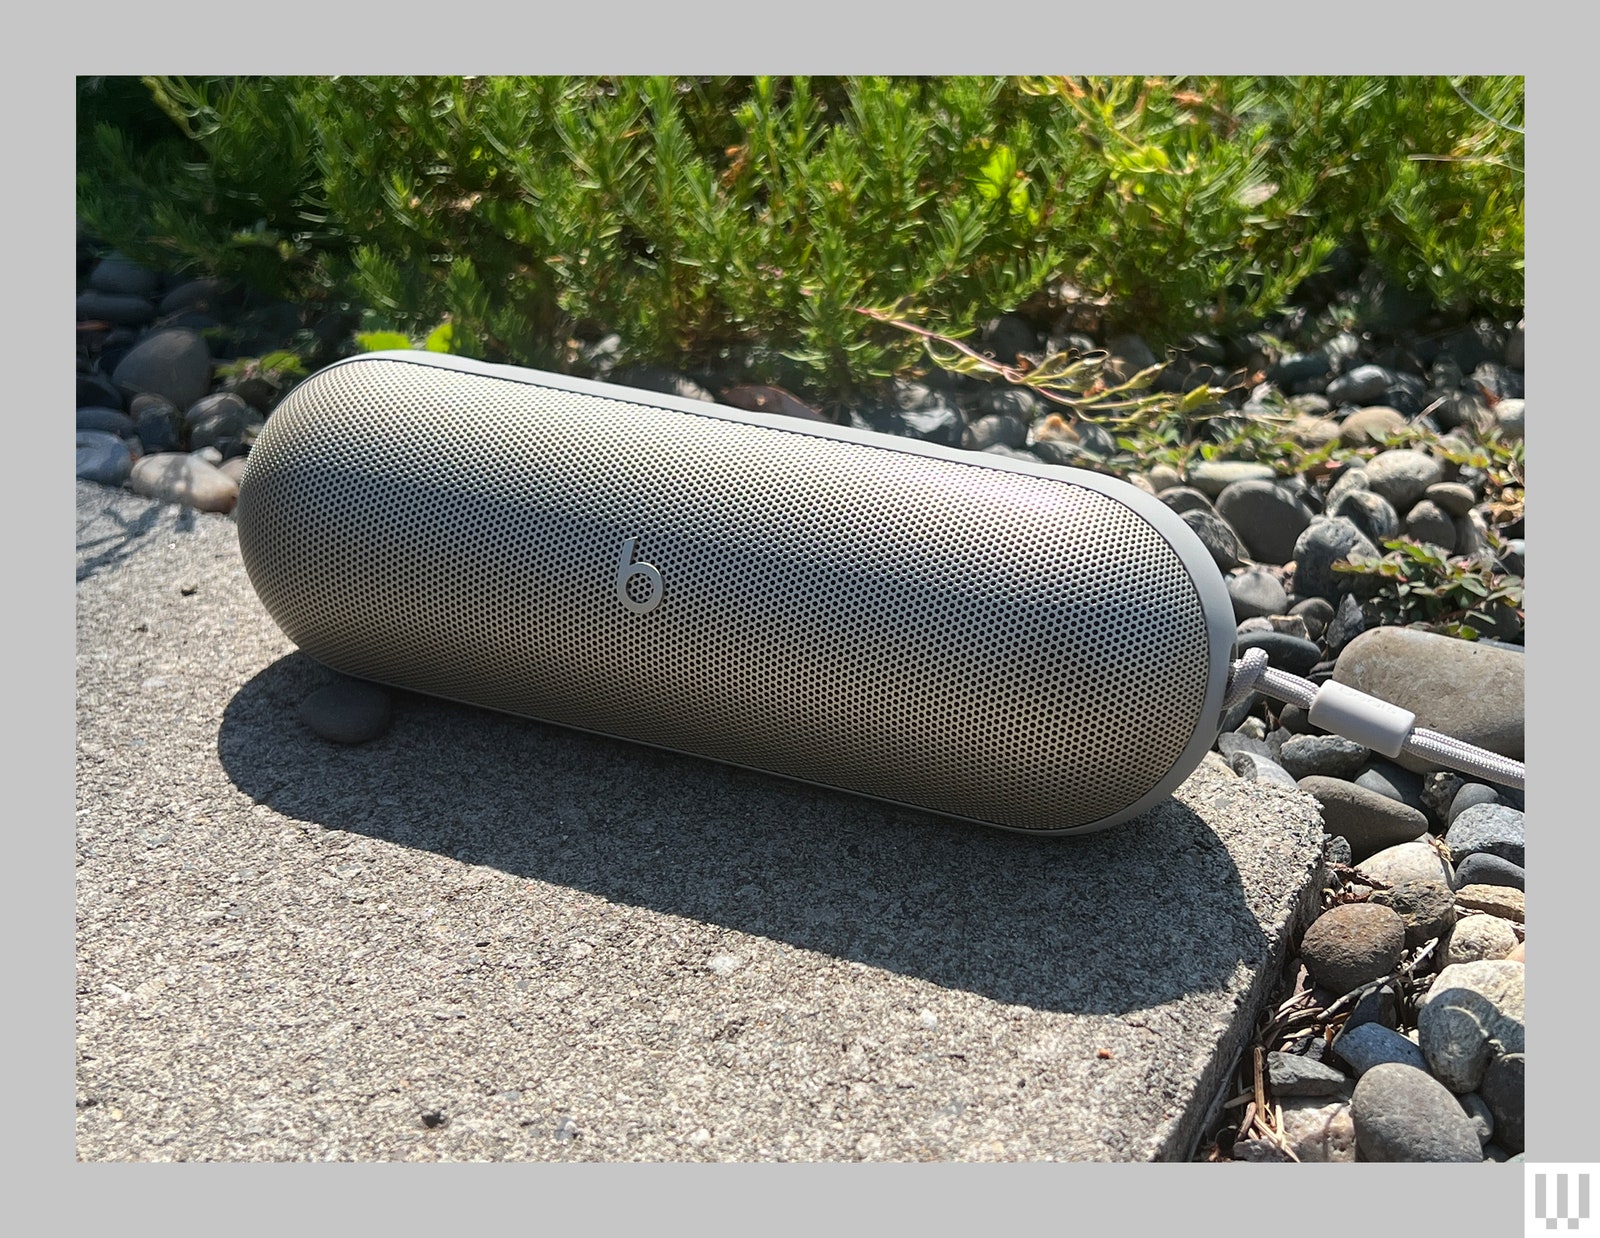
439 339
381 341
994 180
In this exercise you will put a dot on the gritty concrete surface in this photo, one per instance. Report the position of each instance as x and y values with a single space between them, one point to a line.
480 937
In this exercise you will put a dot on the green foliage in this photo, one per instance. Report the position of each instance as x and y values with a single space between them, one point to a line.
226 188
1417 584
277 367
709 218
1426 171
1503 465
439 339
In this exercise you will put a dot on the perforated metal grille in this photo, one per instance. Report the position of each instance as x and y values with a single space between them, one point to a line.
924 630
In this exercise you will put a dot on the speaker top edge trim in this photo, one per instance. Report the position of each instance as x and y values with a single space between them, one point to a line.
1153 510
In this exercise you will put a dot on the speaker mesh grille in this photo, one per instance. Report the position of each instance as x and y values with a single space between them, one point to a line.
942 634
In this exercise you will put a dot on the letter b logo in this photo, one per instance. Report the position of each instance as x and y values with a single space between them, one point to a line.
627 570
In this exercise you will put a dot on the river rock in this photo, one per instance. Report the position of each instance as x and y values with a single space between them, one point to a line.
1471 795
1427 522
1291 1074
1427 907
174 364
224 421
1295 369
1475 938
106 421
1332 756
1007 401
98 391
116 308
1348 945
1380 1004
1456 687
997 429
1511 418
1476 1108
1388 779
1371 425
1317 614
1361 385
103 457
1415 861
176 477
1400 1114
1370 821
347 711
1284 652
1254 768
1164 477
1218 538
1462 407
1367 1045
203 295
1311 431
1256 594
1507 902
1490 870
1502 1090
118 273
1351 477
1402 475
1212 477
1005 337
1487 829
1472 1013
1371 513
1186 499
1451 497
1325 540
1267 518
157 424
1319 1131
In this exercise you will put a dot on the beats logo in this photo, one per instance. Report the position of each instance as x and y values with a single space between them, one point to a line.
627 570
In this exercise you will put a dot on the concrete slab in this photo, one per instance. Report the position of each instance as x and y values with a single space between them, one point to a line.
479 937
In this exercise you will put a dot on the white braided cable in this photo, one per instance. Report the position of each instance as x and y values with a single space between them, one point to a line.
1447 750
1252 674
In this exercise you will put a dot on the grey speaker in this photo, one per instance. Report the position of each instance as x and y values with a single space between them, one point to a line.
1021 645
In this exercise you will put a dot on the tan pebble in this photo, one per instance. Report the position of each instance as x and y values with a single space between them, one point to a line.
1502 901
174 477
1478 937
1516 953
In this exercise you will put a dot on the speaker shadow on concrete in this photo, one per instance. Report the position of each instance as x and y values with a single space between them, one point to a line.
1109 923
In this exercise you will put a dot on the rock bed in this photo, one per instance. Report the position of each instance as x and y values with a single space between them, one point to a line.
1398 1032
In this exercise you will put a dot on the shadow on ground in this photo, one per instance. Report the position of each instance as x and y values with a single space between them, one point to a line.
96 554
1123 920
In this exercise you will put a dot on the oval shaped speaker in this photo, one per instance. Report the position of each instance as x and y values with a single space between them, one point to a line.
1020 645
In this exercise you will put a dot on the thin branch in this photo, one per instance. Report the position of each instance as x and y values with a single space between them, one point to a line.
1499 163
1493 120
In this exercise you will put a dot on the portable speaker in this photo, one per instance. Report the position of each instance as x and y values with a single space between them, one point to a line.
1016 644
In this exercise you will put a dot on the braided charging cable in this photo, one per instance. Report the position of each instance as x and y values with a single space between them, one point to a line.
1379 725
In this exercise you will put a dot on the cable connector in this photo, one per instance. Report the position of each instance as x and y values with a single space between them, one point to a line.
1371 722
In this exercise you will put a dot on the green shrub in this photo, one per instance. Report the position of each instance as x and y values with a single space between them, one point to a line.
703 219
1416 584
